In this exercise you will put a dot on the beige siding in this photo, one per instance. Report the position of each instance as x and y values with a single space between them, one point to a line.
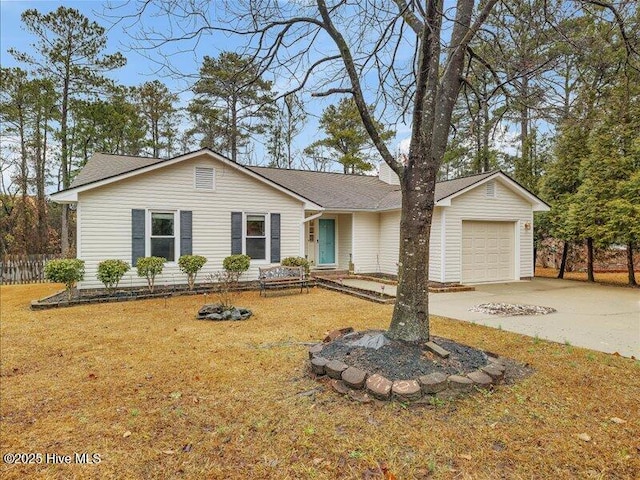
475 205
344 232
366 241
105 216
390 243
435 245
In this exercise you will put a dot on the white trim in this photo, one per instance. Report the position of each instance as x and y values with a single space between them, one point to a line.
311 217
353 250
303 237
267 236
536 203
516 239
78 231
71 195
443 247
176 233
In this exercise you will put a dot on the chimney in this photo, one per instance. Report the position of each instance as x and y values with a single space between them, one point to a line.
387 175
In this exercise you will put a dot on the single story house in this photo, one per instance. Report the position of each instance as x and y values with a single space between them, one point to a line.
205 204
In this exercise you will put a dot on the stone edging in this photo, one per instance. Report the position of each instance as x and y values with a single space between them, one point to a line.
352 380
92 295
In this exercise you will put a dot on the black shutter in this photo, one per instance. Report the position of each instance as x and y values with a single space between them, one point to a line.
236 233
186 244
275 238
138 222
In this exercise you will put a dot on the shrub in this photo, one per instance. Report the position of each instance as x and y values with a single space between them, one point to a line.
226 281
191 265
237 263
110 272
296 262
68 271
149 267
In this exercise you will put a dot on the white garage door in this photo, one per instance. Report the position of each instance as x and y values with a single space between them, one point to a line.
488 251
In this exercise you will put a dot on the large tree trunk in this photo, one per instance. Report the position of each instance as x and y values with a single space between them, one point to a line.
630 269
590 276
410 320
563 261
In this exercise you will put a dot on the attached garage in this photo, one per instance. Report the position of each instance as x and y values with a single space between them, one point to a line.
488 251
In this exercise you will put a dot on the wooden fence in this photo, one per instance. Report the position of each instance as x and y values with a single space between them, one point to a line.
23 268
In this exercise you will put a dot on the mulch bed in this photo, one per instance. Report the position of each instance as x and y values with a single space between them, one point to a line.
402 361
89 296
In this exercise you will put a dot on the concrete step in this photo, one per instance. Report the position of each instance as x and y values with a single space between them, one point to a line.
365 295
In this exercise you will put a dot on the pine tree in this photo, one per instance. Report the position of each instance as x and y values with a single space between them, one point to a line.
346 138
231 103
69 51
157 106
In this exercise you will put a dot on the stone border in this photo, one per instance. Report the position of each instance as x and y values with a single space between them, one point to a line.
362 386
127 294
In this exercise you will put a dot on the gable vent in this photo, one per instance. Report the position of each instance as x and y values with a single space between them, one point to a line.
491 189
204 178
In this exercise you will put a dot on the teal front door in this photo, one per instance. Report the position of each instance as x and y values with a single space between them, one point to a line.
327 241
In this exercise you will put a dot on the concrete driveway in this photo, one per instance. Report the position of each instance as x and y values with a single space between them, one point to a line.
592 316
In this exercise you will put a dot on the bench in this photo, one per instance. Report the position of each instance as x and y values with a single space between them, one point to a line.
282 277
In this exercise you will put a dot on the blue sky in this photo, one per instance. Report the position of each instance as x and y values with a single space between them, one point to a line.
139 67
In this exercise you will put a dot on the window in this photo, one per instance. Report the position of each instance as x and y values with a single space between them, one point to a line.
256 236
204 178
163 235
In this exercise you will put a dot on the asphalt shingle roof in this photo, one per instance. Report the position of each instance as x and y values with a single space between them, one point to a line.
354 192
104 165
330 190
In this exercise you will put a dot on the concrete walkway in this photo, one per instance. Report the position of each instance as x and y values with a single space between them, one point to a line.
371 285
593 316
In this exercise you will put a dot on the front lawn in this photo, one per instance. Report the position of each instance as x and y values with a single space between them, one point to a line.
158 394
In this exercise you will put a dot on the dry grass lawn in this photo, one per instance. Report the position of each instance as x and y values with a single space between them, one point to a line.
220 400
608 278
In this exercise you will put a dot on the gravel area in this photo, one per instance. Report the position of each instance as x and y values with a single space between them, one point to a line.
511 309
403 361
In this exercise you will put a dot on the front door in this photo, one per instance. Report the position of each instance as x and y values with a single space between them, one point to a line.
326 241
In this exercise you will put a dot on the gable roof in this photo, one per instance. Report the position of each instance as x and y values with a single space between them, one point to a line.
337 191
103 169
319 190
103 165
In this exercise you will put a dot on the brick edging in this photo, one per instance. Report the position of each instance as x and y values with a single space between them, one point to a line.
347 379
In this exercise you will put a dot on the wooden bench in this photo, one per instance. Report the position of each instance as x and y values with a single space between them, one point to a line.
282 277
